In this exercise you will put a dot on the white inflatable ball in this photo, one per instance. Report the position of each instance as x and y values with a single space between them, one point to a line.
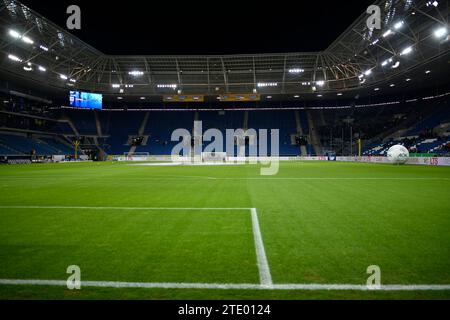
398 154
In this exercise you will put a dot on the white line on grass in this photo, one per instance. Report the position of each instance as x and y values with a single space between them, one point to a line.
180 177
263 265
230 286
122 208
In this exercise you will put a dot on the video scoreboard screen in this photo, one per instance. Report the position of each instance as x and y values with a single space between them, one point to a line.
86 100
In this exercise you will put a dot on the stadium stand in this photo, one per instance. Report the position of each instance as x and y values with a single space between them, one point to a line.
421 127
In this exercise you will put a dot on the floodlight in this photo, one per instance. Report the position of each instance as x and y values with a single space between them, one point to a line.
14 34
14 58
170 86
27 40
267 84
441 32
398 25
41 68
136 73
396 65
296 70
387 33
62 76
407 50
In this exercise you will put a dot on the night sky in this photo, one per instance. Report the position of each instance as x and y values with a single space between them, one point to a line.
206 27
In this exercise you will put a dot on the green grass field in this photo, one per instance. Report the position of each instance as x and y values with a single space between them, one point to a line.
320 222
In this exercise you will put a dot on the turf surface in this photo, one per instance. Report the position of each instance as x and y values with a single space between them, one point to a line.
320 222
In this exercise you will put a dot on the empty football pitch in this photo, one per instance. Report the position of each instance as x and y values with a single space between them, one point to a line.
224 232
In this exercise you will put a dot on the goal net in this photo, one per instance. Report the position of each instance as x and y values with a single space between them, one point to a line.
214 156
136 156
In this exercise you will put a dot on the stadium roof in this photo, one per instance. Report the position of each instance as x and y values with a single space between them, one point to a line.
414 34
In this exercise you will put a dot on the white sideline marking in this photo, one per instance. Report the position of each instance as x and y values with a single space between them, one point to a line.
229 286
173 164
181 177
120 208
263 266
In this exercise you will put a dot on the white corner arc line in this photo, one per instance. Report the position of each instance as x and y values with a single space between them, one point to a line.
230 286
263 265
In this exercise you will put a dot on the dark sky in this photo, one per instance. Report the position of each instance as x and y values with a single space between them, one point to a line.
206 27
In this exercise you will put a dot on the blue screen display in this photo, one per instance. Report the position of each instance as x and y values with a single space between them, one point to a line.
86 100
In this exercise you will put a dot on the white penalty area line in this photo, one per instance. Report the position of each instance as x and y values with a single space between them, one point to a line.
261 258
230 286
265 277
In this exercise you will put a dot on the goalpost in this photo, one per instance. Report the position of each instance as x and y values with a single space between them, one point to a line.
136 156
214 156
